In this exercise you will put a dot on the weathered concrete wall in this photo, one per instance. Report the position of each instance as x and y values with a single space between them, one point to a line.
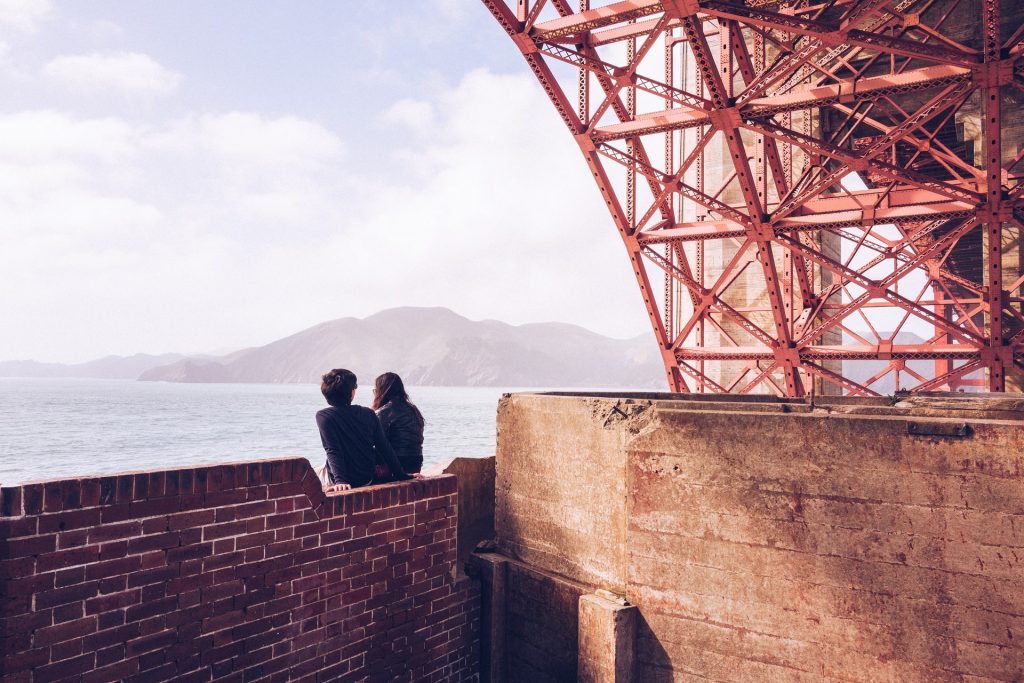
768 541
238 572
476 502
561 489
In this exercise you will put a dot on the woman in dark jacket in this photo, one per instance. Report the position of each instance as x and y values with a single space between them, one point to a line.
401 420
352 436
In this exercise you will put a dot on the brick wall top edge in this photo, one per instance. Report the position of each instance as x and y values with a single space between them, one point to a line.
185 468
196 486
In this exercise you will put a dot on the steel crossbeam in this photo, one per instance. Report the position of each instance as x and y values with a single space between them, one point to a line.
838 188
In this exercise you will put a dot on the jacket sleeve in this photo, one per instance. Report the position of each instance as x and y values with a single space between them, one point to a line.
383 447
336 466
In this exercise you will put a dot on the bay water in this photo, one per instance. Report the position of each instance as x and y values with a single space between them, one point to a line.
62 428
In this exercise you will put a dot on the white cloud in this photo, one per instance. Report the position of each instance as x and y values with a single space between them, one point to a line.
24 15
130 72
35 136
231 229
415 114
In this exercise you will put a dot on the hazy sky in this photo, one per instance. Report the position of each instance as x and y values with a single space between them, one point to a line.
197 175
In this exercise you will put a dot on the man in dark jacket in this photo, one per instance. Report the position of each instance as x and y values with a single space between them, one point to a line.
352 436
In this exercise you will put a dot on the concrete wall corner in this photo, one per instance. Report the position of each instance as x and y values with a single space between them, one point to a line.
607 637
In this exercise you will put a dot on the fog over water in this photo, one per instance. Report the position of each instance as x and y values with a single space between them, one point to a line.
60 428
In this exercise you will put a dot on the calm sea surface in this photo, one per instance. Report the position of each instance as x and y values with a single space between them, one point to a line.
58 428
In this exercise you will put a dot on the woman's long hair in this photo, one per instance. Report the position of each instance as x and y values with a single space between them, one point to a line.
389 387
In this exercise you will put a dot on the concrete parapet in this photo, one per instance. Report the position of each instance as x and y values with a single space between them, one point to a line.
768 539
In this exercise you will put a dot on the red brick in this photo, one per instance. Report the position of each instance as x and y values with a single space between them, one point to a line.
185 520
32 583
151 608
155 575
117 671
109 532
69 519
157 591
155 507
225 498
103 570
222 590
287 519
24 547
66 669
112 619
151 642
153 559
254 539
105 603
256 508
113 550
53 497
68 612
109 655
189 552
222 621
164 672
76 538
61 596
162 541
32 498
24 659
66 631
20 526
215 531
10 501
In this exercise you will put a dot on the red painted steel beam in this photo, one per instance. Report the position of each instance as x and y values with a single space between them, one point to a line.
818 194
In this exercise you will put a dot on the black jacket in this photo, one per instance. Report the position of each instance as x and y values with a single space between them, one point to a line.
403 430
353 439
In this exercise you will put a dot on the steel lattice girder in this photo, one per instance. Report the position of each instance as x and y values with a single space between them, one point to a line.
835 182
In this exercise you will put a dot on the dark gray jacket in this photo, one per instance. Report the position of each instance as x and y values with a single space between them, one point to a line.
403 430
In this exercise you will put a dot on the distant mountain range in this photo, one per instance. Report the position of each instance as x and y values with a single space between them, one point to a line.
426 346
110 367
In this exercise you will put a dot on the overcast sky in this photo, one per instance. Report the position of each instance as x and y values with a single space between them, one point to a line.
197 176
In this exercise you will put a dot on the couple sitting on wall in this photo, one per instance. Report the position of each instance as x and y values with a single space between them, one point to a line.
366 447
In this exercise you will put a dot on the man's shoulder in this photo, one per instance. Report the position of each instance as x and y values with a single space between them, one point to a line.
364 413
358 412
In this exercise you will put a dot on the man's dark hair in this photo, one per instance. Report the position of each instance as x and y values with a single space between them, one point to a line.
337 386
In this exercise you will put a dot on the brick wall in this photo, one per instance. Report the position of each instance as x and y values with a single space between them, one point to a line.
238 572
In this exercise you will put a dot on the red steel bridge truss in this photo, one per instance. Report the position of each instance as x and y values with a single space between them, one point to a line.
813 195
